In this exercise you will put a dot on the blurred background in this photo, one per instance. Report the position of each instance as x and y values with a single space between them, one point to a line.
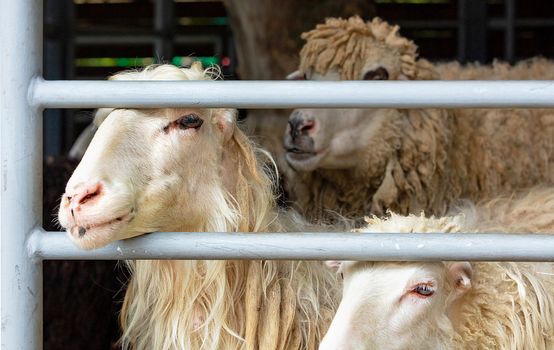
248 39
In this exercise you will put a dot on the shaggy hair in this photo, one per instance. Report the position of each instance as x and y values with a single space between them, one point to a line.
260 304
423 159
344 43
536 68
510 305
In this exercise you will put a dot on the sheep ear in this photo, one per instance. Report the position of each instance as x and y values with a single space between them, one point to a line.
459 277
225 122
296 75
333 265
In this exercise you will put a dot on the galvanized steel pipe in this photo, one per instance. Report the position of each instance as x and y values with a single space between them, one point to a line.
21 174
305 246
293 94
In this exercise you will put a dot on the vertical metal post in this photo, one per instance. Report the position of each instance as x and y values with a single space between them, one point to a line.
476 31
164 27
20 177
71 32
462 30
509 30
55 39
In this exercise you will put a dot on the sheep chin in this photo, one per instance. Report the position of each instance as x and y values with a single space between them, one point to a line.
96 236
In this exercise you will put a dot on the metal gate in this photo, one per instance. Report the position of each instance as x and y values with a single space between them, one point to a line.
24 94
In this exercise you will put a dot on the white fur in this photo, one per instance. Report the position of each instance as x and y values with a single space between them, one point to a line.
473 305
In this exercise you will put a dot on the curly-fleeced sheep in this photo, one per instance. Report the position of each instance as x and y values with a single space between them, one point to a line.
451 305
357 161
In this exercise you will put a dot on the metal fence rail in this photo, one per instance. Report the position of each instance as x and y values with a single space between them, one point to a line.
292 94
305 246
23 94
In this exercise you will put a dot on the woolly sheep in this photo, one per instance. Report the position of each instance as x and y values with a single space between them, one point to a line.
359 161
193 170
451 305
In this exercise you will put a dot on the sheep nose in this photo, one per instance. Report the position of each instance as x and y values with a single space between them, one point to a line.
299 125
83 194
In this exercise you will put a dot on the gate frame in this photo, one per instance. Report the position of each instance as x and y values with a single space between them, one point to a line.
24 244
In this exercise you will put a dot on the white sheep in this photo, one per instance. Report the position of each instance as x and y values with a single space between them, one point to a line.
451 305
193 170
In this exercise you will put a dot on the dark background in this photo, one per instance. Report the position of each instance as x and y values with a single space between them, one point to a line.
91 39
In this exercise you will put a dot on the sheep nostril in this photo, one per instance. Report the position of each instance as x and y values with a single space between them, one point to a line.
307 126
88 197
300 126
87 194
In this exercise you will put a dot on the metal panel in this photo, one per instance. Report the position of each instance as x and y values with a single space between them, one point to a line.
22 245
287 94
20 179
306 246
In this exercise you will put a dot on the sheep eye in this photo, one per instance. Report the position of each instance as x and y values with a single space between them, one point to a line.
377 74
342 275
423 290
191 121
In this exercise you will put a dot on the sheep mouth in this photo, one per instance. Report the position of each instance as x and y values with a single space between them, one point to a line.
94 235
300 154
303 160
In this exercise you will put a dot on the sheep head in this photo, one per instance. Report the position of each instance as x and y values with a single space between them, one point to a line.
396 305
399 305
347 49
167 169
358 50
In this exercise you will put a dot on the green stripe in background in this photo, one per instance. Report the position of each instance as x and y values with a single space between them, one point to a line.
126 62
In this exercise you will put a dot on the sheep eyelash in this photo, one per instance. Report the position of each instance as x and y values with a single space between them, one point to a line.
414 286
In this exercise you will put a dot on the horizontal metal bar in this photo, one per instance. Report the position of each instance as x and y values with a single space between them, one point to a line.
139 39
292 94
494 23
501 23
432 24
111 39
305 246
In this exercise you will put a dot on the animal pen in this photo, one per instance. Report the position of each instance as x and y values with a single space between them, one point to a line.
24 244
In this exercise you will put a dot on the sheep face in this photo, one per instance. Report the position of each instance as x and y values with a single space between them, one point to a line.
143 171
335 138
345 49
396 305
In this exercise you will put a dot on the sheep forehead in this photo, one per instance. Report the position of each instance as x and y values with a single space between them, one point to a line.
331 44
167 113
384 266
376 57
331 75
163 72
413 223
167 72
